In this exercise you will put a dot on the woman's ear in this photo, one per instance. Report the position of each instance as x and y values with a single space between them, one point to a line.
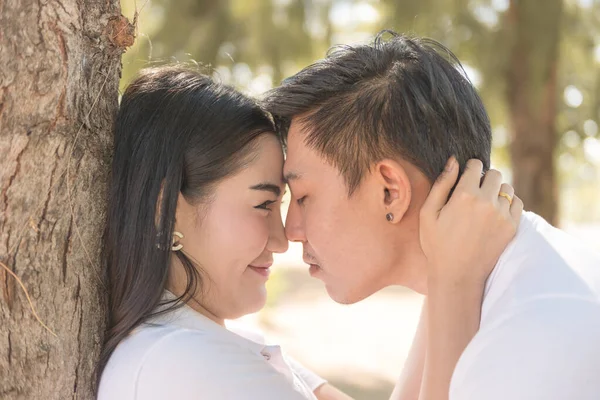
158 210
395 188
183 211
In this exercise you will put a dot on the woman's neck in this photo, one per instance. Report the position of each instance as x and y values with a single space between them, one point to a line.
195 305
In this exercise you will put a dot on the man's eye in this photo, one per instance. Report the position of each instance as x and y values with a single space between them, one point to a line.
266 205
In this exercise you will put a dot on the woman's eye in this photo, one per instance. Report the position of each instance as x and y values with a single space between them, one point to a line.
300 201
266 205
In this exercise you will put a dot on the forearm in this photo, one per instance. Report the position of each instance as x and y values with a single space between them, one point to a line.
408 386
453 319
330 392
319 386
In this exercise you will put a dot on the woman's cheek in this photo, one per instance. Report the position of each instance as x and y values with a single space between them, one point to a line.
251 234
261 227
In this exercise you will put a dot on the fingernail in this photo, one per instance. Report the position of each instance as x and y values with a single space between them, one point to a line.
450 164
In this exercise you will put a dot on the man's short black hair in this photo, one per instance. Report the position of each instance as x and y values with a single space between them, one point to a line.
397 97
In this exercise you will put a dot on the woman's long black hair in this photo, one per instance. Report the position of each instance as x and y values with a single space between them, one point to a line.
177 131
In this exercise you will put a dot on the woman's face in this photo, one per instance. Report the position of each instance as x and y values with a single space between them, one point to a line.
234 236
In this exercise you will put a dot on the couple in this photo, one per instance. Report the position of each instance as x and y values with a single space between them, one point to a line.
376 137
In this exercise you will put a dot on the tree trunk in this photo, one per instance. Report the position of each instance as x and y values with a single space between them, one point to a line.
534 29
59 74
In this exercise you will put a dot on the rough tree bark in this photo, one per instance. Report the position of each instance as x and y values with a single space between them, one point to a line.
59 74
534 30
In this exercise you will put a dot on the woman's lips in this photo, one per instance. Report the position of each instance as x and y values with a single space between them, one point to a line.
263 269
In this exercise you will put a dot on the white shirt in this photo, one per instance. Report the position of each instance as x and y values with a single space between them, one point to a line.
540 327
184 355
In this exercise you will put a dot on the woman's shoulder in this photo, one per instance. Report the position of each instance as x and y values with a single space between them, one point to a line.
161 363
204 365
152 351
146 346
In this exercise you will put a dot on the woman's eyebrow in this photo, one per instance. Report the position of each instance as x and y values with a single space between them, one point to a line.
268 187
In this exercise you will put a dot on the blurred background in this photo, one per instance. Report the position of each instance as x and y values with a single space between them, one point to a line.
536 64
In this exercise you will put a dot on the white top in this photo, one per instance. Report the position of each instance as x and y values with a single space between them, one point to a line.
183 355
540 326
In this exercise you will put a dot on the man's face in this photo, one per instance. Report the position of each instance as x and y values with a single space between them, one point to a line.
347 240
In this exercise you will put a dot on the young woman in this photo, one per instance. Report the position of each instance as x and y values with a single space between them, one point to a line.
192 225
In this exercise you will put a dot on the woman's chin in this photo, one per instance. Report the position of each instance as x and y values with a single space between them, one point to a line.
259 302
252 303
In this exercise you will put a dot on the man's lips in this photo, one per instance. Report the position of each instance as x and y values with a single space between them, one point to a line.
314 269
314 266
309 259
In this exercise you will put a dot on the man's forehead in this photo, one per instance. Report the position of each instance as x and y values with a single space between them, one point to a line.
300 159
295 151
290 172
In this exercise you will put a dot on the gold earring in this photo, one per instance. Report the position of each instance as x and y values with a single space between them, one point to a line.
176 245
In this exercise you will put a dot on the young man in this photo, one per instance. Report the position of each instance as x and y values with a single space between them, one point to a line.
368 130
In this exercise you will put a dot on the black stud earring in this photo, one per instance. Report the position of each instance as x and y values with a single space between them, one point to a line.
389 217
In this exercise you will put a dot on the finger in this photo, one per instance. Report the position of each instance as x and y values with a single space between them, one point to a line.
492 184
440 190
471 178
510 191
516 210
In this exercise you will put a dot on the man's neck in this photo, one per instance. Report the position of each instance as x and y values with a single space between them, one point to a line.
411 272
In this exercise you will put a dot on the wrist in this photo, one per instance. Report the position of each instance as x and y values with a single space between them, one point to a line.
452 284
444 274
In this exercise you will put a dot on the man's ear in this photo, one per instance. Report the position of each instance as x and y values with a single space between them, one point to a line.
395 188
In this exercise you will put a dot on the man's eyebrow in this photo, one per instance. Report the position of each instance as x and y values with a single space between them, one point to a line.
291 176
268 187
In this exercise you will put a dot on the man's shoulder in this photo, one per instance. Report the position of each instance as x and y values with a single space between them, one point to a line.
542 261
539 235
554 325
548 347
559 312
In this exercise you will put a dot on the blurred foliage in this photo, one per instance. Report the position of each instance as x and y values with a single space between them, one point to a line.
255 44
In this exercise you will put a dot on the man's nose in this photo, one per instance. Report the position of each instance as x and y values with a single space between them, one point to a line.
294 224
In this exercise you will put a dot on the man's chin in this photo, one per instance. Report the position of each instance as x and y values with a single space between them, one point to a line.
345 296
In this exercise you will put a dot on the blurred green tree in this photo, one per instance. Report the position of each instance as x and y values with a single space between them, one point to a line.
514 47
535 63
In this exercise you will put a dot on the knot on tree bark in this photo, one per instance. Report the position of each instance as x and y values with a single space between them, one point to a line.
120 32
